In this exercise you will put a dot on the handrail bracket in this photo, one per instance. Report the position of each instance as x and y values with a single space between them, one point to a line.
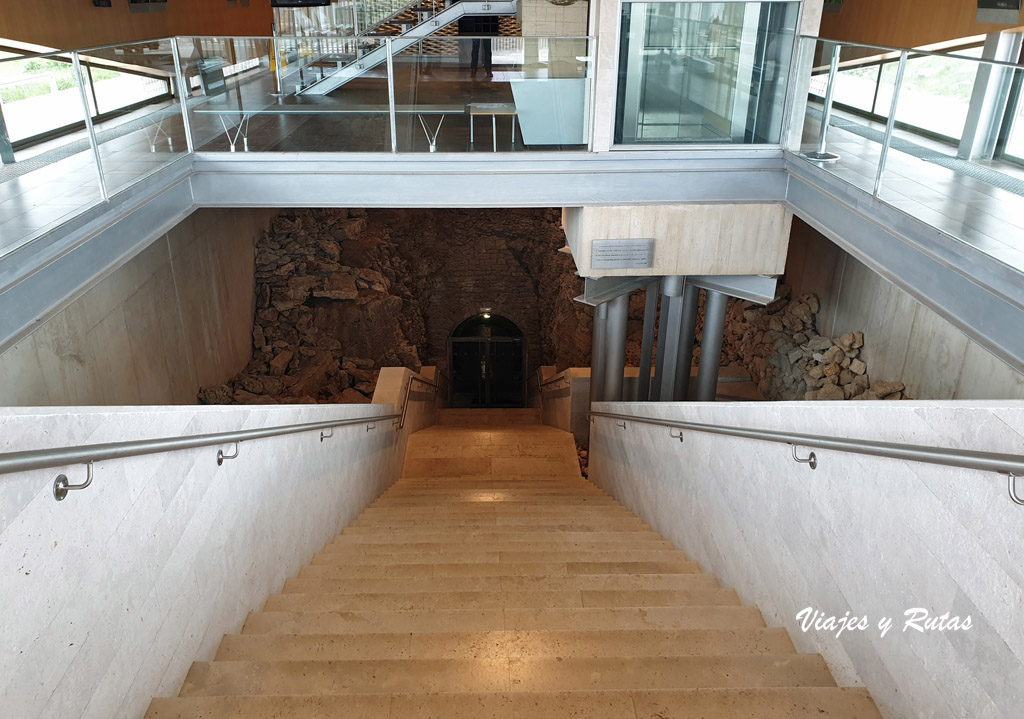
61 486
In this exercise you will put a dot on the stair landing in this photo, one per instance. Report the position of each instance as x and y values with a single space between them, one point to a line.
493 582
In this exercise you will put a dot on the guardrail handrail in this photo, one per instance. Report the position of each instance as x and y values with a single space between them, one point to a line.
912 51
1008 464
562 377
88 454
408 390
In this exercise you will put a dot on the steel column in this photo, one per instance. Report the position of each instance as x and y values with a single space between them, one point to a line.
643 382
615 347
668 337
6 149
597 355
711 346
687 335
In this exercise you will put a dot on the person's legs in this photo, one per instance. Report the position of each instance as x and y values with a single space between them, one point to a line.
475 58
487 55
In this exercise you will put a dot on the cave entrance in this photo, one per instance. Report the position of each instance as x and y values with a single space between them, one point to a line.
487 358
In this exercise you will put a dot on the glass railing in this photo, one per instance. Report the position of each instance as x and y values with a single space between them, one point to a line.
492 94
77 127
928 133
371 13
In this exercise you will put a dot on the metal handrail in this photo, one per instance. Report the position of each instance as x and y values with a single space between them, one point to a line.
560 378
87 454
898 50
400 423
1008 464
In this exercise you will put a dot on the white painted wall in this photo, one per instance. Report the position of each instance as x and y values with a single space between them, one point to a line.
176 317
110 595
867 535
904 340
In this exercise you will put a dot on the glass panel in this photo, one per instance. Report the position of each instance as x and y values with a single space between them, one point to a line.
492 94
334 19
937 93
135 80
704 71
287 94
48 171
858 157
1015 139
856 87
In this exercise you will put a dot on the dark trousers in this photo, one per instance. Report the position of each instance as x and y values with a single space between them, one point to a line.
484 45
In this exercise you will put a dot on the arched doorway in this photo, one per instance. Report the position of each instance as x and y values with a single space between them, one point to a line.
487 358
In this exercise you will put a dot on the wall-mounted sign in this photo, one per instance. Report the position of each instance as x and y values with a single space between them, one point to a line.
622 254
1005 12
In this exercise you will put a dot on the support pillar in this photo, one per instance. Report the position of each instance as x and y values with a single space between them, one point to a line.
643 382
687 335
711 346
992 87
597 355
668 339
6 150
615 347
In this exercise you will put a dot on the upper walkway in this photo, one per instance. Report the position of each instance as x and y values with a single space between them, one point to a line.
71 210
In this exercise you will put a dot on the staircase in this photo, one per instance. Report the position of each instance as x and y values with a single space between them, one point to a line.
415 34
493 582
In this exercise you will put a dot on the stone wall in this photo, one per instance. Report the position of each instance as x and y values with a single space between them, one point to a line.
341 293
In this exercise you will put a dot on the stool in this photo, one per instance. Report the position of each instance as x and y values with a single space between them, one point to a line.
493 109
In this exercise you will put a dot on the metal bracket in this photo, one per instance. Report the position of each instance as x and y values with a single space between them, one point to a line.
620 425
371 425
1012 483
326 436
61 487
221 456
676 436
811 460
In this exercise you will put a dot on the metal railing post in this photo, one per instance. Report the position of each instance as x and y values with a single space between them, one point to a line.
391 97
821 154
183 94
77 64
891 124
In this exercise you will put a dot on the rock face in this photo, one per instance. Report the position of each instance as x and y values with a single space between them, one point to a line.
341 293
783 352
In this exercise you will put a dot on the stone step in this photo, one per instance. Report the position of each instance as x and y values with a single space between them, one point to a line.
595 510
489 620
717 703
324 602
451 451
502 525
556 545
502 644
496 569
406 538
583 582
543 674
497 501
561 465
354 556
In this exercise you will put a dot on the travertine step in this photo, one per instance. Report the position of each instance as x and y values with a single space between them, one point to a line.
746 703
457 537
353 556
580 582
502 644
480 546
493 582
496 569
323 602
546 674
510 619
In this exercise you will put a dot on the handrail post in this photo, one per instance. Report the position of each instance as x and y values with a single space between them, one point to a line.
391 96
821 155
183 94
76 62
891 123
